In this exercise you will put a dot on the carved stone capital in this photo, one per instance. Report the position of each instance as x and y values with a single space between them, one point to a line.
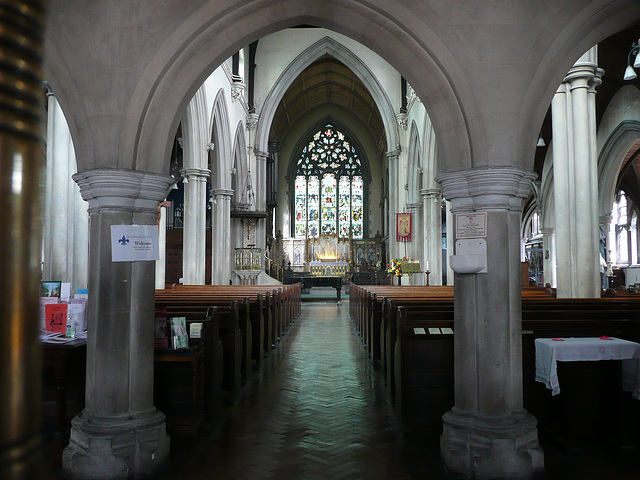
486 188
605 220
222 192
252 121
402 118
394 154
260 155
195 173
119 189
431 192
237 89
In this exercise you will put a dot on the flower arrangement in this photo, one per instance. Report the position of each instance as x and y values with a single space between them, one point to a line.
395 266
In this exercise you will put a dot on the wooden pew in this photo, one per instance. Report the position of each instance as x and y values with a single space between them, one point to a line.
236 312
226 328
285 301
211 349
420 388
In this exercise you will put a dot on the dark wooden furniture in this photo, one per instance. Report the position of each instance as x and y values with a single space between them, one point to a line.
417 368
63 378
179 388
310 281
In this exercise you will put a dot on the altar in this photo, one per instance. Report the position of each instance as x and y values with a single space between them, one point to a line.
328 269
330 255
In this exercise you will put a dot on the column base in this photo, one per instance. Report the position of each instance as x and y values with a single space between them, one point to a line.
492 448
122 448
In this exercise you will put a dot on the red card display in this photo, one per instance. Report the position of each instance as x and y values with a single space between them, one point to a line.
56 317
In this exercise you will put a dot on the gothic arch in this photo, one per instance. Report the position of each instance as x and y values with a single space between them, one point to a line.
211 33
414 166
194 123
430 163
221 138
610 161
326 45
590 25
240 166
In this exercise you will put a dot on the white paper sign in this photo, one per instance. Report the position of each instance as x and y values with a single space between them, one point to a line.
471 225
134 243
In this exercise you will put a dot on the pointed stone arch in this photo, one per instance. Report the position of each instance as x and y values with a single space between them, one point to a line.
240 165
326 46
194 134
220 155
611 159
414 165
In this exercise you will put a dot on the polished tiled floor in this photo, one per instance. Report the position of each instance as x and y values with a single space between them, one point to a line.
315 411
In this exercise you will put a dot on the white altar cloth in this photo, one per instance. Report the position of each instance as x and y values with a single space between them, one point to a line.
550 351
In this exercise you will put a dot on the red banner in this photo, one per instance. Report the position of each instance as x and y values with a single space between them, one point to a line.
403 227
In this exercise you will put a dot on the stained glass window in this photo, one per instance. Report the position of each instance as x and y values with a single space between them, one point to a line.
329 187
357 206
300 206
313 184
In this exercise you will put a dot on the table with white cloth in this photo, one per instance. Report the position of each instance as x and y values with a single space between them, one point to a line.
550 351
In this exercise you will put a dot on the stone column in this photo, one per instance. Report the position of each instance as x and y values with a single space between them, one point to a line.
394 187
161 263
261 198
221 239
415 247
21 161
66 248
119 434
450 242
194 233
575 180
605 226
549 256
432 198
488 434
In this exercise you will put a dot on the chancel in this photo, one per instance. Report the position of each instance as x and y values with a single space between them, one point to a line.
465 175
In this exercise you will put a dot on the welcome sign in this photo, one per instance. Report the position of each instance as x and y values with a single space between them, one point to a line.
134 243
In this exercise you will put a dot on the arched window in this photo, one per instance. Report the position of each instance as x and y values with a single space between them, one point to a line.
329 187
624 230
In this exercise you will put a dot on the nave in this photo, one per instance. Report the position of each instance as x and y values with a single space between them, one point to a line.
315 411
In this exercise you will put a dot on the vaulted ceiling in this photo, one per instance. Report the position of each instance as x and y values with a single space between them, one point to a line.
327 81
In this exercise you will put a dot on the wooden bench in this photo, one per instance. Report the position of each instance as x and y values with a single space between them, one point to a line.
418 368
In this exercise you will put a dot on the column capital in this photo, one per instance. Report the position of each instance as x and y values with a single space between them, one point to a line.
196 173
431 192
547 231
486 188
585 72
222 192
605 220
125 190
394 154
260 155
252 121
402 119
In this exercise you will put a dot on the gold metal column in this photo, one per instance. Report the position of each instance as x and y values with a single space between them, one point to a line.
21 161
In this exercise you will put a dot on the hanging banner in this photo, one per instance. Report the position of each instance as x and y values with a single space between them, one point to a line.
403 227
134 243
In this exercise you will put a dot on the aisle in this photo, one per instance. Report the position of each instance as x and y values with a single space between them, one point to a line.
313 413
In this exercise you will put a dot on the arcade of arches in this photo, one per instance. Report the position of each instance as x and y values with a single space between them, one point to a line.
299 129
